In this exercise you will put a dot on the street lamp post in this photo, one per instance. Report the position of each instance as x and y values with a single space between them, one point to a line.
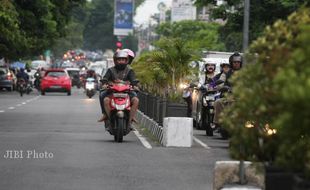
245 44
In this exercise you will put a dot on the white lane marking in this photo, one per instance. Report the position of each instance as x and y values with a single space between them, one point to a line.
24 103
143 140
1 111
18 105
11 108
201 143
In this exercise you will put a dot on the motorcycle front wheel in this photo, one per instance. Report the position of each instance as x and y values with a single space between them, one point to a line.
119 131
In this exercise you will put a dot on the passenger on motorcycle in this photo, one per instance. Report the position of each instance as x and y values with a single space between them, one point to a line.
121 71
221 78
235 64
131 55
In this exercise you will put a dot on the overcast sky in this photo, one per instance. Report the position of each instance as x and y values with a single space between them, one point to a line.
149 7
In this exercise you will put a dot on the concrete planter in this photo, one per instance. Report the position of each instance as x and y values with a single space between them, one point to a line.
226 175
176 110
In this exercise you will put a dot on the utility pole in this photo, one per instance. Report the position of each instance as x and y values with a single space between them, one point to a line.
245 45
246 20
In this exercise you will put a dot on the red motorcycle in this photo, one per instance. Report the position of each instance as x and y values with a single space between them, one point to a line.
118 123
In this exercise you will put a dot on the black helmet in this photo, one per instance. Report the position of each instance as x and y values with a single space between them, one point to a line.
235 57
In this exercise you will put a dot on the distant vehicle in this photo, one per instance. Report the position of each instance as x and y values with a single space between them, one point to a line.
7 79
36 64
56 80
90 87
23 86
68 64
98 67
74 74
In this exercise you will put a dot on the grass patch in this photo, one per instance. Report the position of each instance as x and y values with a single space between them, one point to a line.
145 132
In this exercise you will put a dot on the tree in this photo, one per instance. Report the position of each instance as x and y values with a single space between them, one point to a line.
98 32
30 27
73 31
150 73
260 16
272 94
196 34
12 40
170 62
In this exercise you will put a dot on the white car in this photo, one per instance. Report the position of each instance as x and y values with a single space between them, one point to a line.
36 64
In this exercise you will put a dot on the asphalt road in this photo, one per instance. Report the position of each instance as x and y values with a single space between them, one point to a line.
59 144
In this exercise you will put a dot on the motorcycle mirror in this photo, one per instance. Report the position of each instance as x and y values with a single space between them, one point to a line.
135 82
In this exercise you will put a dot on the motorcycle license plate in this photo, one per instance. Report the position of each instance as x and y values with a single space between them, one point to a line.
55 87
120 95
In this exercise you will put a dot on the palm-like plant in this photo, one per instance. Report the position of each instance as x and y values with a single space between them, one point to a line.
174 58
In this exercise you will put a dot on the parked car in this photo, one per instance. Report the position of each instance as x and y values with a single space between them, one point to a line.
74 74
56 80
7 79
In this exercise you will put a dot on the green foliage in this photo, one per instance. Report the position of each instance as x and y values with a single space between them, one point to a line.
166 65
98 33
273 93
73 31
197 34
30 27
11 38
260 17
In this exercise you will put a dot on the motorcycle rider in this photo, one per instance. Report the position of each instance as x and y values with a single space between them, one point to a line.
121 71
235 64
22 75
37 76
210 74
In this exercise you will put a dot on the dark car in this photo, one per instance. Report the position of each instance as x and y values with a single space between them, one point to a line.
74 74
7 79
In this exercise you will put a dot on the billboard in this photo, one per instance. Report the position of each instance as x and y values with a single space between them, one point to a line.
123 17
183 10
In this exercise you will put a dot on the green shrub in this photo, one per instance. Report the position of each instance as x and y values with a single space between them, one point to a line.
273 94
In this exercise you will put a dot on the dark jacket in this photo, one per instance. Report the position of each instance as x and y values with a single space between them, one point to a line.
113 74
22 75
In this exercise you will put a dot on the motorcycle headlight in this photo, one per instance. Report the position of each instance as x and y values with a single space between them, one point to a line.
90 86
120 107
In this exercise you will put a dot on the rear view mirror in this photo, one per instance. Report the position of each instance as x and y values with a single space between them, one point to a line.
135 82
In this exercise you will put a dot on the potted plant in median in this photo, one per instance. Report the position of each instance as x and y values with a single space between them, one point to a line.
270 117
